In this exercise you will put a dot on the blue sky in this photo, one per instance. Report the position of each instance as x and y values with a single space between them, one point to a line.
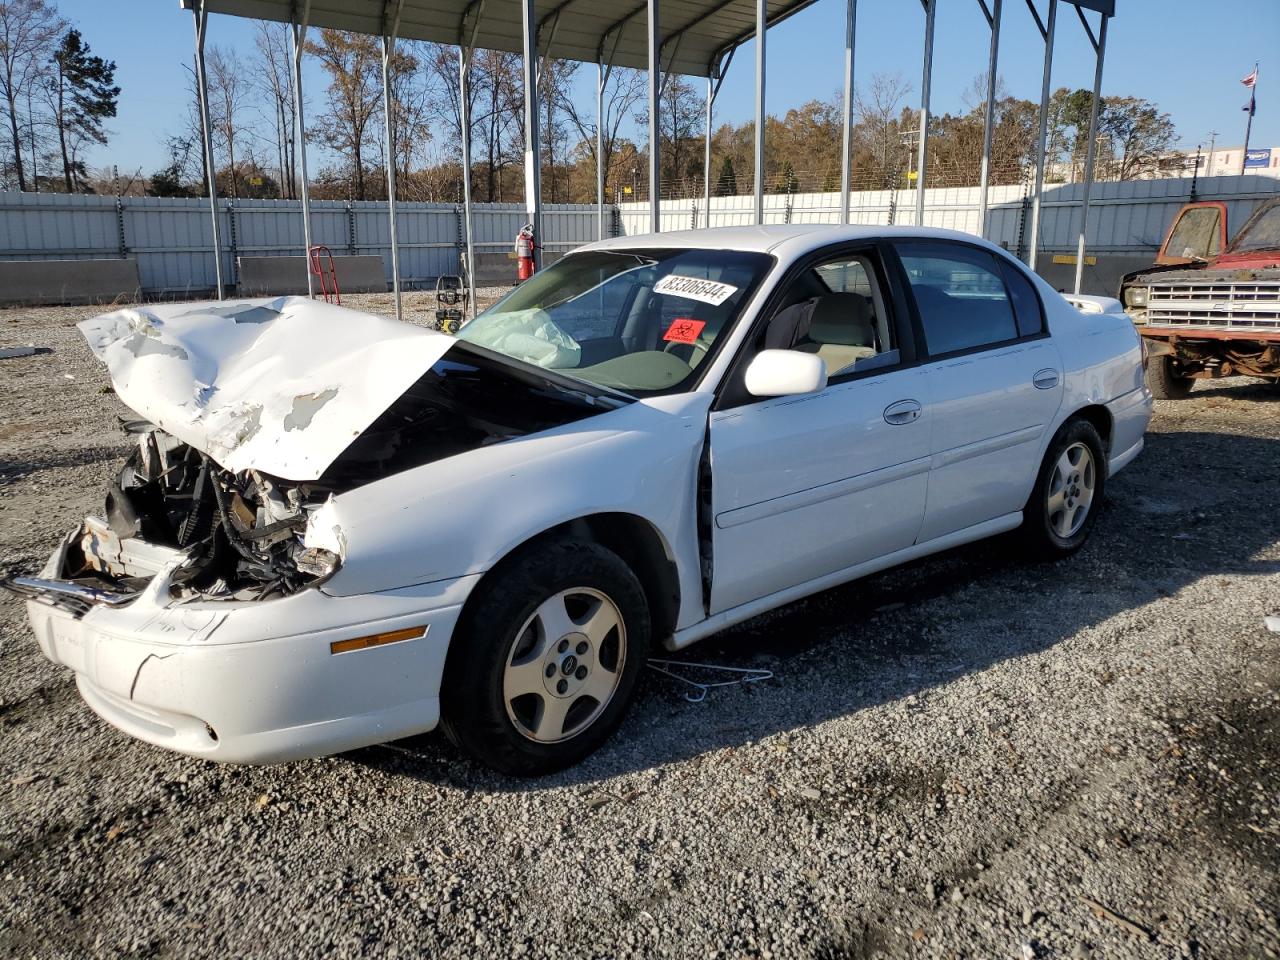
1186 55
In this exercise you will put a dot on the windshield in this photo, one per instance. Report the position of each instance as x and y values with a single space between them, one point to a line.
1262 233
643 321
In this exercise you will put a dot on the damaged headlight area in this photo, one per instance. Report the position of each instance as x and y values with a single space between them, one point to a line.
238 536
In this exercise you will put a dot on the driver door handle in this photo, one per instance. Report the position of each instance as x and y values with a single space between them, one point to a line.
903 411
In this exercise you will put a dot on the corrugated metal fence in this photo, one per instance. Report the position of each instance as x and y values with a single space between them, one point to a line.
1129 216
171 237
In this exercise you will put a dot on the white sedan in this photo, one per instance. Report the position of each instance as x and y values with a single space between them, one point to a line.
337 530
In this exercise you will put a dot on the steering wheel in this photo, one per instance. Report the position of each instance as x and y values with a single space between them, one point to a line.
695 351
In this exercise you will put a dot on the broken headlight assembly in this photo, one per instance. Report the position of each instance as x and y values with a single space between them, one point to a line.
240 536
318 562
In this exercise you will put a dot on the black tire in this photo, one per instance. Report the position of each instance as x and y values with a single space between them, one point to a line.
1041 533
1164 383
474 708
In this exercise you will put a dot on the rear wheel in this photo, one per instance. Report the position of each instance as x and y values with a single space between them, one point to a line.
543 669
1064 505
1164 382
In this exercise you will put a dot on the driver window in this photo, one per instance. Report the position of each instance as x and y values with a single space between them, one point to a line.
836 311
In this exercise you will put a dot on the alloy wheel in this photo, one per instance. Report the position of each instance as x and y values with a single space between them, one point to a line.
1071 489
565 665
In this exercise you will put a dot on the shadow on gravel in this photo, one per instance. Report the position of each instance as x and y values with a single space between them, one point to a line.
11 470
869 642
1259 391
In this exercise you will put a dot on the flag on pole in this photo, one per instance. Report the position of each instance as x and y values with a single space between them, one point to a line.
1250 108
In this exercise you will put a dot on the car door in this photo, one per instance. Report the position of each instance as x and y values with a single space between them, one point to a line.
805 486
994 377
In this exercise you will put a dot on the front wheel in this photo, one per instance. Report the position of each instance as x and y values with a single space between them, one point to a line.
1164 382
543 668
1068 492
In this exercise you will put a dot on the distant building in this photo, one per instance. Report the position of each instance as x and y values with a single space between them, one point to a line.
1222 162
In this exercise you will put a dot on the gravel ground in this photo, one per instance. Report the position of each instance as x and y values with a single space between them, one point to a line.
967 757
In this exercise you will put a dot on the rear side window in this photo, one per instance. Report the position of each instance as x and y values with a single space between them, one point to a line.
1026 305
961 295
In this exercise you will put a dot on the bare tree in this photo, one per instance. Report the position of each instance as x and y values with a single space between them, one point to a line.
228 98
879 108
348 126
623 93
29 31
555 78
495 106
410 113
275 86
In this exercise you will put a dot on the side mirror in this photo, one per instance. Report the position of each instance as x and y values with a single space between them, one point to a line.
784 373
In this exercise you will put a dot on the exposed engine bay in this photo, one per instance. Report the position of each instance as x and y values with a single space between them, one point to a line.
243 442
241 536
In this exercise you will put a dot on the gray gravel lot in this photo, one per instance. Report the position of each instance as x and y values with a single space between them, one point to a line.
967 757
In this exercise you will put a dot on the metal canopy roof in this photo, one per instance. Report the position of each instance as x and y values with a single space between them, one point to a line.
696 34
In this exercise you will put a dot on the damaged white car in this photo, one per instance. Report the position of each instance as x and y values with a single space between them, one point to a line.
337 530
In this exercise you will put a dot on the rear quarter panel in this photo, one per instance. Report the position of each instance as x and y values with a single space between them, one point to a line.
1102 364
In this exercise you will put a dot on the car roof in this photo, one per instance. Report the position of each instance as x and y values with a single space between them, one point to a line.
786 241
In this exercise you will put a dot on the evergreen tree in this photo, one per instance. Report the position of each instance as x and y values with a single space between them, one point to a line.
728 183
84 97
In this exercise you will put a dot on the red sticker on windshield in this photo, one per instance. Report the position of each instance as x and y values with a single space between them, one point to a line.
684 330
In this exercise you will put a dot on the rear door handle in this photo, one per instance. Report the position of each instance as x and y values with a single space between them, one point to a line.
903 411
1045 379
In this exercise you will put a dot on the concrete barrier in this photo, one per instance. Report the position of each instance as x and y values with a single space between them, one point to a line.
1102 273
68 281
273 276
499 269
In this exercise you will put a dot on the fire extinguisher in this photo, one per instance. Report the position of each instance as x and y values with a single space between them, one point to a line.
524 252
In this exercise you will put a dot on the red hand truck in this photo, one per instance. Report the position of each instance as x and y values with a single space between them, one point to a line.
321 265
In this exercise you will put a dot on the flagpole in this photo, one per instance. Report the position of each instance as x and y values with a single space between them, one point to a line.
1248 126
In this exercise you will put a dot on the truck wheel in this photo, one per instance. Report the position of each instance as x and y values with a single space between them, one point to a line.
1068 493
543 667
1164 383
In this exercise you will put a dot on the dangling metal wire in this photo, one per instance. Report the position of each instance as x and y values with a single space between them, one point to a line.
744 675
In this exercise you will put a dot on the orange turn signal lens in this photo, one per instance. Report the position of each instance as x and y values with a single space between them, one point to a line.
378 639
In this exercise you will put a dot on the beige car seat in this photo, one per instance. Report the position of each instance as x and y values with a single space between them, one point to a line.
840 331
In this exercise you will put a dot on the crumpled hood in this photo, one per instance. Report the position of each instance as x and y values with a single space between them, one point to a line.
279 385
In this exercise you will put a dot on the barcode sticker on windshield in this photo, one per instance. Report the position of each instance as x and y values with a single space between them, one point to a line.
693 288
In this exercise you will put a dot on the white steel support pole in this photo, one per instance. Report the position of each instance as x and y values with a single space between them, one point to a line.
762 18
931 8
655 82
298 39
706 154
1100 51
600 81
846 140
989 117
532 145
464 116
211 175
1043 135
388 47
